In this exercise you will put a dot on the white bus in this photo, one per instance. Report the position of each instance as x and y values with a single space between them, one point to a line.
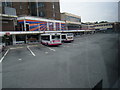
51 39
2 45
67 37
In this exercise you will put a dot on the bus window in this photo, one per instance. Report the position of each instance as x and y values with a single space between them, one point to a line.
63 36
45 38
69 34
56 37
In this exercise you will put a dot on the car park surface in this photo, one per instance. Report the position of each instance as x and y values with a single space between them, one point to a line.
80 64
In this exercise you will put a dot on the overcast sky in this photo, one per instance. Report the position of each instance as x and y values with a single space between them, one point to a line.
92 10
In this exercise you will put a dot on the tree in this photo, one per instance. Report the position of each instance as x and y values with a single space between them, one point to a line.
103 22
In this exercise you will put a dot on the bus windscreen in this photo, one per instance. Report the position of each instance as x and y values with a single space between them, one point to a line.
56 37
63 36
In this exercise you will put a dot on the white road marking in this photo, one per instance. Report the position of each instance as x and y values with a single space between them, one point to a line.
46 52
67 46
33 45
23 47
75 44
16 48
52 49
20 59
4 56
31 51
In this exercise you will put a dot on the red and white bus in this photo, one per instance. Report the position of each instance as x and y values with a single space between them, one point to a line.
51 39
67 37
2 45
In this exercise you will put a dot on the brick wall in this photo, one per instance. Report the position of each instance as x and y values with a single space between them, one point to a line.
22 8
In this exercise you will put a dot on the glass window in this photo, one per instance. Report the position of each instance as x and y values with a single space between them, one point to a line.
33 5
20 37
56 37
63 36
0 3
69 34
33 9
40 4
21 5
41 14
53 14
9 4
74 19
3 4
45 38
53 5
79 20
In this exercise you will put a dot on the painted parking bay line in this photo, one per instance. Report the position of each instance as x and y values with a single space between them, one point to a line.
75 44
19 59
66 46
46 52
16 48
51 49
31 51
4 56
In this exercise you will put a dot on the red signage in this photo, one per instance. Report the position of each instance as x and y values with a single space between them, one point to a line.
8 34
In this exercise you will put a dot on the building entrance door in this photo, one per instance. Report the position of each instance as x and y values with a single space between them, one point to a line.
27 27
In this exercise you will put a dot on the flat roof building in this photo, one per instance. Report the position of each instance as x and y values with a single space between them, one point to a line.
73 21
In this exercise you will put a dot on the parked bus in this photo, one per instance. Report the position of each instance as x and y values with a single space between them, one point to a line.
2 45
67 37
51 39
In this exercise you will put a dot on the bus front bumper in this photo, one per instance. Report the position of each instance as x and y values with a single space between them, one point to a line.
55 44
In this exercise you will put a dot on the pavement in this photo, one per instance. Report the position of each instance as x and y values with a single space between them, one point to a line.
80 64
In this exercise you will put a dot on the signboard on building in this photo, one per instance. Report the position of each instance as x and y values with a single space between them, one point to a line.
10 11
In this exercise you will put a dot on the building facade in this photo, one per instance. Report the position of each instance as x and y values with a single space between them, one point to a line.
49 10
73 22
87 26
8 16
101 26
8 22
9 12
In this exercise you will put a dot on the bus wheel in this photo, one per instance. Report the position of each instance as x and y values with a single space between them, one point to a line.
47 44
